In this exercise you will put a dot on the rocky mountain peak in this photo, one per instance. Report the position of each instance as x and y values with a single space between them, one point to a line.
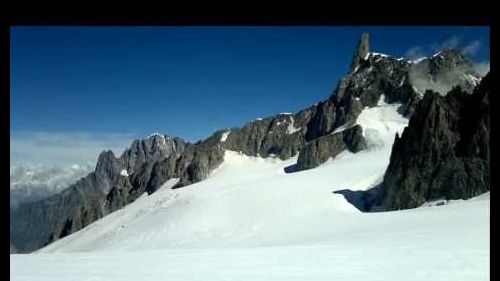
453 58
105 161
107 168
154 148
442 72
157 143
362 51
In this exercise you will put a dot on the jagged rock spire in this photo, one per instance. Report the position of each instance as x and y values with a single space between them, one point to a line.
361 52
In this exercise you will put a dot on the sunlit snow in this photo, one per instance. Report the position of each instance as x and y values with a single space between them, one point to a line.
291 127
252 221
224 136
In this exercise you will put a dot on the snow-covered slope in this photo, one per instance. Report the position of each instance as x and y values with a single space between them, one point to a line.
442 243
247 200
252 221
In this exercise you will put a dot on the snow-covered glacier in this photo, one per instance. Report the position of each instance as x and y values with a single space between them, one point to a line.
252 221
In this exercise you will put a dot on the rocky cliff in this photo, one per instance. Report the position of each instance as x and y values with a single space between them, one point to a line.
444 153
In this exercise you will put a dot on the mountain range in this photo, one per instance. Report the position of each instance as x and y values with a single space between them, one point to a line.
443 153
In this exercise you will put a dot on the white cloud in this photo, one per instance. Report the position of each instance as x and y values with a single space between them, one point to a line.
454 42
450 43
44 163
472 48
31 182
415 53
482 68
64 148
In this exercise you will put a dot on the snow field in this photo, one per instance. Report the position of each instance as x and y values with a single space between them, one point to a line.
252 221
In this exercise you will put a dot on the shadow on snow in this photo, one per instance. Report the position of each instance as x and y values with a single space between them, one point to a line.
363 200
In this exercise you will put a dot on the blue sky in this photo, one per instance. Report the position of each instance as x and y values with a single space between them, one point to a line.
108 85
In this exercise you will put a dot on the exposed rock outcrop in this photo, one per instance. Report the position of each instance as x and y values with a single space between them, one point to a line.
155 148
321 149
281 135
199 159
119 195
361 52
443 153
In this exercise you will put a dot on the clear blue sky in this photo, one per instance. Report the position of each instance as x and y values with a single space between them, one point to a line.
191 81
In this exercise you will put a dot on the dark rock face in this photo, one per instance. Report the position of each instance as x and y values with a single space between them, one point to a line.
361 52
323 120
144 161
321 149
199 159
281 135
156 147
108 168
118 196
443 153
192 165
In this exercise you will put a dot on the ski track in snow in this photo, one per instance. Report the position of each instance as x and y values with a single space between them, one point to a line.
251 221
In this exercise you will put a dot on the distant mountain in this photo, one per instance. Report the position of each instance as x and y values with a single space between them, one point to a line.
33 182
316 134
34 224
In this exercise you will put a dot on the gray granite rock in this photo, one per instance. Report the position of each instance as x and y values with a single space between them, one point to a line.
443 153
323 148
199 159
154 148
281 135
361 52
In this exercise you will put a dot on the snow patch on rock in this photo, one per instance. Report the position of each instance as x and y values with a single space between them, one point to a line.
418 60
291 127
224 136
